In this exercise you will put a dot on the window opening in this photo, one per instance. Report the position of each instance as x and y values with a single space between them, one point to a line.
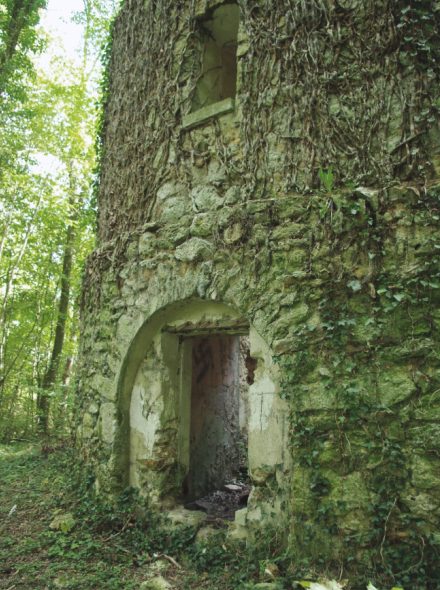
217 480
218 79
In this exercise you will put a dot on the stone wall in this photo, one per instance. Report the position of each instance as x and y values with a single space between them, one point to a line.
310 207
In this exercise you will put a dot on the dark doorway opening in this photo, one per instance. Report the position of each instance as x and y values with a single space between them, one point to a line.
217 479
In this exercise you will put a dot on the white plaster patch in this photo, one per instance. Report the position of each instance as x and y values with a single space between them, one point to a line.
262 395
145 415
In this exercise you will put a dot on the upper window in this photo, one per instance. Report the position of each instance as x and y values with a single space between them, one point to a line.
218 79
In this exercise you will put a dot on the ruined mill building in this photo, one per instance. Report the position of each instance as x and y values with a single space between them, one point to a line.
263 298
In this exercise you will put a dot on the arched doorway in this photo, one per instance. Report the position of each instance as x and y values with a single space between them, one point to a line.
199 404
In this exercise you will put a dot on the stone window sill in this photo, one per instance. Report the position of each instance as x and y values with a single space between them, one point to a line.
203 115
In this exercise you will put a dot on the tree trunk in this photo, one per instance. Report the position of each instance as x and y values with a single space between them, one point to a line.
43 402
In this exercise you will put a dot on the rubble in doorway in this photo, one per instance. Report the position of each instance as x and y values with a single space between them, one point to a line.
222 504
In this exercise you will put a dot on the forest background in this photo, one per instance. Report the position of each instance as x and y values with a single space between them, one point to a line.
49 113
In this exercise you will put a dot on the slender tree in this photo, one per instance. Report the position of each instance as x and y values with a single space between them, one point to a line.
18 19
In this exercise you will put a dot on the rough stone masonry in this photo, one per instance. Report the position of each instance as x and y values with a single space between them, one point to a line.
270 171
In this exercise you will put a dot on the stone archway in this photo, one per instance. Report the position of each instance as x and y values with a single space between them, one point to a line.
182 414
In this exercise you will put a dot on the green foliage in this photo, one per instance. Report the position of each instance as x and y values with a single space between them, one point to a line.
18 39
327 179
47 160
418 24
125 539
102 102
36 207
359 436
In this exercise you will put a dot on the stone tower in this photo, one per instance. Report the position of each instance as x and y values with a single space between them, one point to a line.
264 294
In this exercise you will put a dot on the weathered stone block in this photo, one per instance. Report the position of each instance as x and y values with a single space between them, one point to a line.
170 189
173 209
394 385
180 516
233 234
213 110
350 489
202 225
194 249
425 473
107 422
205 197
295 316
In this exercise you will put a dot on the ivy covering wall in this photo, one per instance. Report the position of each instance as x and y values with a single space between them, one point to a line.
314 210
